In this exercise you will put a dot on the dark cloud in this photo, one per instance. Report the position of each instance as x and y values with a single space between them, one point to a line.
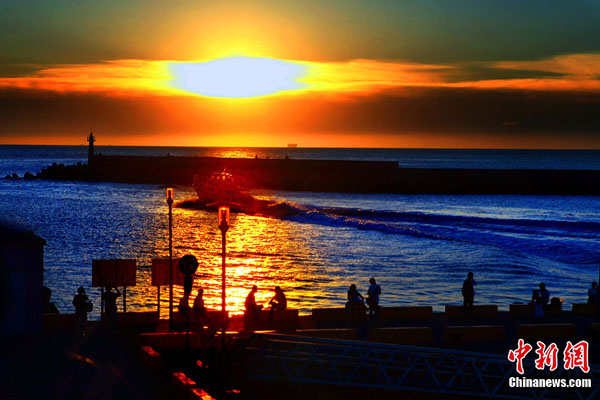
47 114
478 71
470 110
477 113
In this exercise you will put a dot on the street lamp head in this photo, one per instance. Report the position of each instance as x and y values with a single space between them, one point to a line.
169 195
223 218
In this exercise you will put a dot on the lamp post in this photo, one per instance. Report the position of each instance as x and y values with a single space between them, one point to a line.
170 204
223 227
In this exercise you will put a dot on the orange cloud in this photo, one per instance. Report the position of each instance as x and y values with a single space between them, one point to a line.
369 75
550 85
576 72
118 76
573 66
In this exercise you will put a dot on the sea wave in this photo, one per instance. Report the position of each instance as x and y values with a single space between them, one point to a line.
565 241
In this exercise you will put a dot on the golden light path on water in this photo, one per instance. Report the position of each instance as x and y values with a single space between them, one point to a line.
260 250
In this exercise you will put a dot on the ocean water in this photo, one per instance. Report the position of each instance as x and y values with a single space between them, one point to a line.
418 247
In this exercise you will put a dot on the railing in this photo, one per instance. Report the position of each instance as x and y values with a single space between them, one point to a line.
405 368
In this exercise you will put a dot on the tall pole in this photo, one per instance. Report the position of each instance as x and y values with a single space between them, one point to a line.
223 314
170 203
223 227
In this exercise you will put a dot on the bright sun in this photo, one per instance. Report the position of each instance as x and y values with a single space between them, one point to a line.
237 77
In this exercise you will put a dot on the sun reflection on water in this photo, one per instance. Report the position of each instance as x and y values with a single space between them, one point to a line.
260 251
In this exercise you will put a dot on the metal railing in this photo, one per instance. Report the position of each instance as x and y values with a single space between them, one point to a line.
397 367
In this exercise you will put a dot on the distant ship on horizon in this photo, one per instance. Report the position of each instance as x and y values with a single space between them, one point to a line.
292 145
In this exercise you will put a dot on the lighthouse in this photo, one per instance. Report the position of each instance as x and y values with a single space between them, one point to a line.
91 141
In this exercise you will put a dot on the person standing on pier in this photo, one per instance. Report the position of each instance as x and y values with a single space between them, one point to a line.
198 306
199 313
468 292
82 307
184 303
593 294
110 303
373 298
545 294
538 307
49 307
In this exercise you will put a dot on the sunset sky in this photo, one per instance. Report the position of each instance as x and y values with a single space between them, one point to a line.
430 73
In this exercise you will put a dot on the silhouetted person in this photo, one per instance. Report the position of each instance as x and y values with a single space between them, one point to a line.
110 305
468 292
279 301
593 293
354 297
82 306
538 307
544 294
355 303
373 294
200 315
49 307
198 306
184 303
253 309
110 300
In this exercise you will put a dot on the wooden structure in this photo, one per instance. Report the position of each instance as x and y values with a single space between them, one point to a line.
114 273
160 276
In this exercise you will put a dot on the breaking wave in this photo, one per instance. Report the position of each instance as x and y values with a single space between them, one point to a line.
566 241
572 242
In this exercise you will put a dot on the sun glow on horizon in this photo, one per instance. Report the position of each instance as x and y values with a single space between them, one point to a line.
237 77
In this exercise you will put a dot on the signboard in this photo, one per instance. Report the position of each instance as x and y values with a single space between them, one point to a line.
118 272
160 272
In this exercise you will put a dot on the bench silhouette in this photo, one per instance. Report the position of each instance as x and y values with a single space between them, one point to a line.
324 317
478 311
476 333
145 320
585 309
213 320
405 312
546 331
520 310
283 321
402 335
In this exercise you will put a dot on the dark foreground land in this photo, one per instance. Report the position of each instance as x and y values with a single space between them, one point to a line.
54 365
109 364
330 175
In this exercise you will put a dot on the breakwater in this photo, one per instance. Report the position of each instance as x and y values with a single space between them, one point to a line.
331 175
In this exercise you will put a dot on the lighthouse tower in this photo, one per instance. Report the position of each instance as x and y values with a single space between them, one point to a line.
91 141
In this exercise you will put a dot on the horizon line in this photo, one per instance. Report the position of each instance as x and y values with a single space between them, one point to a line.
316 147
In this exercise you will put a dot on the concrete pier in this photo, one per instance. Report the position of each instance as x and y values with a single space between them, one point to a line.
331 175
